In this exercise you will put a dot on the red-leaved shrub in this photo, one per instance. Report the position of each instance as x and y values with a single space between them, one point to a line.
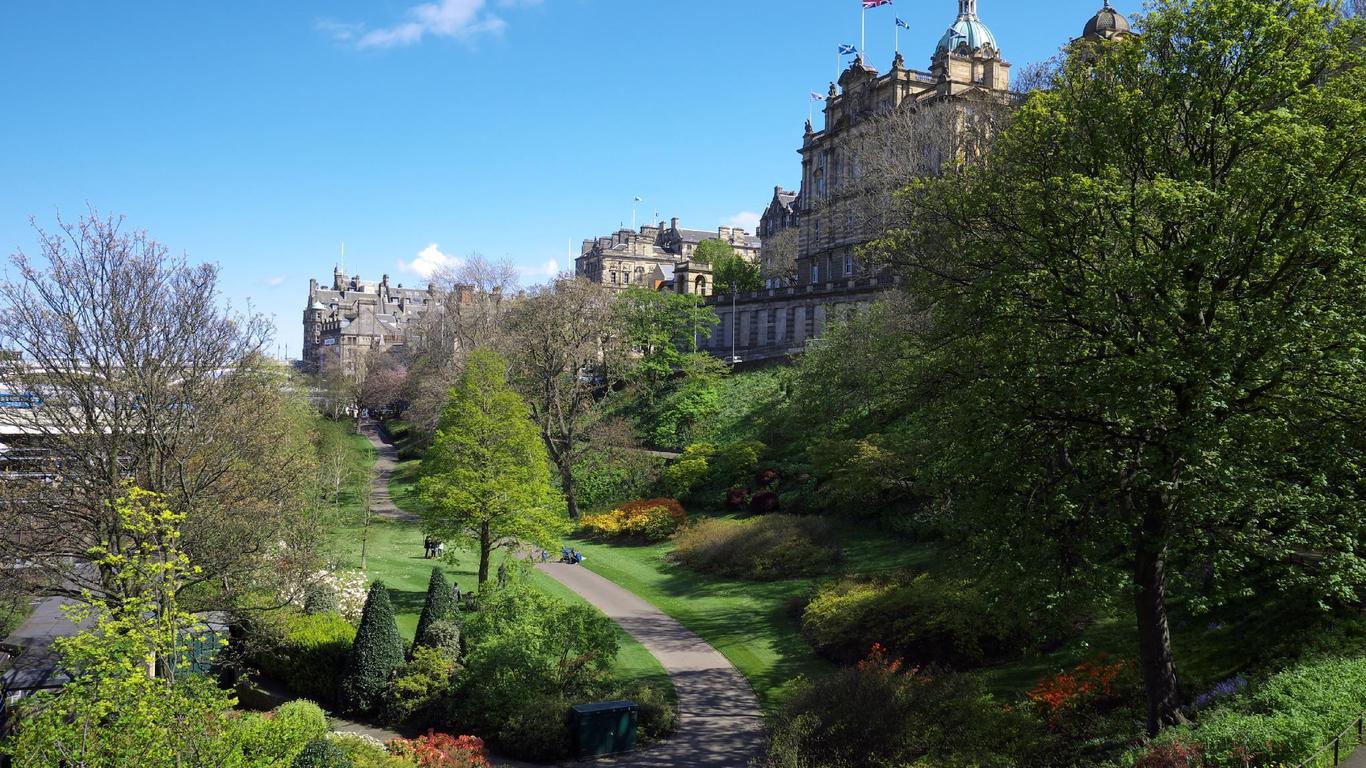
441 750
1174 754
764 503
1090 682
736 498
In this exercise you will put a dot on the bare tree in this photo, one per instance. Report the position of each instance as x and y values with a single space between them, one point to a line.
778 257
137 375
471 301
559 340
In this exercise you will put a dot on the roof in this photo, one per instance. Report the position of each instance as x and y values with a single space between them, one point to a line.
967 31
1106 24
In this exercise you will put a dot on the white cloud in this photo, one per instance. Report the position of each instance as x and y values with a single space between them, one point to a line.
452 19
749 220
276 282
547 270
428 261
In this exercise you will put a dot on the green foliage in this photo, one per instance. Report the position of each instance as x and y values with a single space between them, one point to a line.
682 410
305 652
538 729
113 713
870 476
604 478
418 695
735 463
735 272
688 471
524 645
1153 372
658 715
443 635
877 714
486 477
765 548
320 598
924 619
712 250
322 753
664 328
439 606
367 752
376 653
1281 721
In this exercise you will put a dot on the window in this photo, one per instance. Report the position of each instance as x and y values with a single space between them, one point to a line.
614 278
815 273
848 264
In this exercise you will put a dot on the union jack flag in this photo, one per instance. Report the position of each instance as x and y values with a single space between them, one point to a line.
875 3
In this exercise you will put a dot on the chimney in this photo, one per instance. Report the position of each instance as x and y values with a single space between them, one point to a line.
675 222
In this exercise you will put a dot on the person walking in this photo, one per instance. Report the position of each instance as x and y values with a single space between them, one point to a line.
502 575
455 593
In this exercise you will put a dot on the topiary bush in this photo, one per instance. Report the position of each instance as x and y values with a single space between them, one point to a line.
376 654
439 605
306 653
283 733
766 548
923 618
321 753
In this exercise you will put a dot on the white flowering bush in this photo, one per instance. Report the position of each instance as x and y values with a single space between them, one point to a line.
348 586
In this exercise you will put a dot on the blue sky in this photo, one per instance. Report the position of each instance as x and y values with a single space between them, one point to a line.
261 135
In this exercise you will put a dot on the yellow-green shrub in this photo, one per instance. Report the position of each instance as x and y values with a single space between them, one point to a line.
650 519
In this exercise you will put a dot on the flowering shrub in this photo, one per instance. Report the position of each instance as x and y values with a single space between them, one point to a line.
441 750
649 519
1221 689
736 498
1086 684
349 587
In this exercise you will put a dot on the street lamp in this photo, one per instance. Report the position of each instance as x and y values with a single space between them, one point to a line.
733 321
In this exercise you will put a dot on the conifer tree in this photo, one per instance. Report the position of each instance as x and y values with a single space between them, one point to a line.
440 606
376 653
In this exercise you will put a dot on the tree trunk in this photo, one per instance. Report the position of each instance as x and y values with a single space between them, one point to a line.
1154 636
485 553
567 481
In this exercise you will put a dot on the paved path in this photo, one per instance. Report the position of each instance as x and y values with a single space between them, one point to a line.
719 725
386 458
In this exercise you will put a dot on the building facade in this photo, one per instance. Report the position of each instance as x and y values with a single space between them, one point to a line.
343 322
834 212
651 256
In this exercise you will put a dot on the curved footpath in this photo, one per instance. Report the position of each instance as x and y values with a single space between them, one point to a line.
719 725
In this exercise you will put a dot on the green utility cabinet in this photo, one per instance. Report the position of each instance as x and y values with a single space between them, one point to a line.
605 728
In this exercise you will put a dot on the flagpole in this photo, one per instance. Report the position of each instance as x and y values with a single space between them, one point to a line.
896 44
863 30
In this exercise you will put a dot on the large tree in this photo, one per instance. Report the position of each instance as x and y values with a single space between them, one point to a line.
139 373
660 329
562 336
486 477
1147 310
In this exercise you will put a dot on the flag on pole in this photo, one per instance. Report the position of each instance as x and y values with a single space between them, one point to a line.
875 3
848 50
817 96
902 24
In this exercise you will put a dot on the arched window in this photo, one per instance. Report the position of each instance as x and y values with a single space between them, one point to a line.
640 274
701 283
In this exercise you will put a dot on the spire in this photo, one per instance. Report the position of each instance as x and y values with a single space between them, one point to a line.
967 9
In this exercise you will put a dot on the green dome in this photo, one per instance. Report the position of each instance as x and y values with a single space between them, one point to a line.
967 30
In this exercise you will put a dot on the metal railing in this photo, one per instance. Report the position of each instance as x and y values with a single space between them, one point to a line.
1340 748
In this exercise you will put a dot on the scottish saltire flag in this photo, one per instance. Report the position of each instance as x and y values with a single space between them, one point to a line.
817 96
875 3
902 24
848 50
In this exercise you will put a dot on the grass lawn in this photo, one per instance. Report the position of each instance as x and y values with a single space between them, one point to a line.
755 624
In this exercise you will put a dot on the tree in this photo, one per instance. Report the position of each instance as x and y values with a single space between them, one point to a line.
561 337
376 653
439 606
660 328
486 476
778 258
1146 315
734 273
713 250
138 374
115 710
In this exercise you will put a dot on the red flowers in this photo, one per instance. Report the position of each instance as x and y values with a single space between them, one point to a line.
1084 684
442 750
878 660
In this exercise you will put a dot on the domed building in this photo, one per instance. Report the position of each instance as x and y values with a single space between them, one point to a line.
1107 24
968 54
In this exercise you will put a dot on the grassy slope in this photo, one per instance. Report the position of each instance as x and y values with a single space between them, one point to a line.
754 624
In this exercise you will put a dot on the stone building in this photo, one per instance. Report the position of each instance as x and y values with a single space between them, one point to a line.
652 256
346 320
831 211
